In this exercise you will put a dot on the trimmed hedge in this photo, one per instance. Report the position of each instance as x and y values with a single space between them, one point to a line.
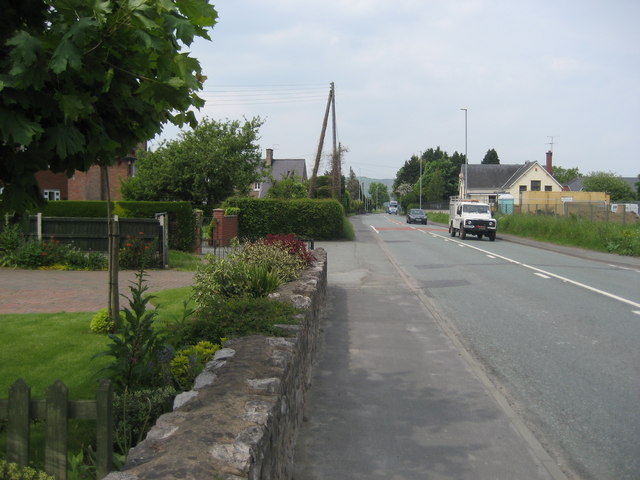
181 216
306 218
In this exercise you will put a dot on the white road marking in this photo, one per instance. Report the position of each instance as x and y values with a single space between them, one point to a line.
550 274
637 312
375 229
541 275
490 256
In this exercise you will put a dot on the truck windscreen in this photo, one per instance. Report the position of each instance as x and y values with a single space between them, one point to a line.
476 208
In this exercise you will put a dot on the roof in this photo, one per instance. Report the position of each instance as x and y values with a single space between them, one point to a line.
494 176
577 184
284 168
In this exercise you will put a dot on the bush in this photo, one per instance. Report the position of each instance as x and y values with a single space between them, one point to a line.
233 317
188 362
11 471
136 411
255 271
306 218
138 253
101 323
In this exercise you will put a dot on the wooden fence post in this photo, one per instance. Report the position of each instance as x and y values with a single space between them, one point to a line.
104 428
55 457
18 423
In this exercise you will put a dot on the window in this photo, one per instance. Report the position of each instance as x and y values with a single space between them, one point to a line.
51 195
547 188
256 187
535 185
523 188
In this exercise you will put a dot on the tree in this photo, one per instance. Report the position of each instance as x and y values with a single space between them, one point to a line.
491 158
203 166
609 182
565 175
83 83
288 188
378 193
353 185
408 173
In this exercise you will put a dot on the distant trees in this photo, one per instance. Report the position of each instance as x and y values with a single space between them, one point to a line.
439 180
288 188
565 175
203 166
378 193
491 158
609 182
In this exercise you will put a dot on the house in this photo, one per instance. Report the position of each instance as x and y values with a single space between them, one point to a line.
279 168
489 182
87 185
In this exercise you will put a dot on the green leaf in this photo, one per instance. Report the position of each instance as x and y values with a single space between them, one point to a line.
16 129
199 12
25 51
73 106
107 80
67 140
67 53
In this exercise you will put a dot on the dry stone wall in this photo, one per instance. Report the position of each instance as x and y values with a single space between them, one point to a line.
241 419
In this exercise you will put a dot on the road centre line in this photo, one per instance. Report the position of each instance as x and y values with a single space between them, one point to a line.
542 275
550 274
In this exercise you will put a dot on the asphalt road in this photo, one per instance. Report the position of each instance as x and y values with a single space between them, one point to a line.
556 335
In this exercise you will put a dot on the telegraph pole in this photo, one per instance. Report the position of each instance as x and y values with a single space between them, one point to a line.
316 165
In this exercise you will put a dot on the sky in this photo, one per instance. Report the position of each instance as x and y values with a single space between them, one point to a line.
532 75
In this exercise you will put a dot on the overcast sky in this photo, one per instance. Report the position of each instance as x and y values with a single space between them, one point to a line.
529 73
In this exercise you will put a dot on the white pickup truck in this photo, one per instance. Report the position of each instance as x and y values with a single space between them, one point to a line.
470 217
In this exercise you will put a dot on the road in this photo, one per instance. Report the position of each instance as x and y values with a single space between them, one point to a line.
556 335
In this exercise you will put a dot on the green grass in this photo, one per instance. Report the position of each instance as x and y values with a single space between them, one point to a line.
575 232
183 261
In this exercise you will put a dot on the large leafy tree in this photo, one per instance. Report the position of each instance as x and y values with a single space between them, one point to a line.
203 166
609 182
353 185
83 82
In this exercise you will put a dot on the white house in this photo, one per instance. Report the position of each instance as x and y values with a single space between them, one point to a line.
279 168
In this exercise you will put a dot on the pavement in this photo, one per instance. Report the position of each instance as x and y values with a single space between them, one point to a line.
53 291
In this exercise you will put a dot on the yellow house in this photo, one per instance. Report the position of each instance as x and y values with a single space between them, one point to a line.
489 183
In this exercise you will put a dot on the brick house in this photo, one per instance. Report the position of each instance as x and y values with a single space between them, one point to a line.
87 185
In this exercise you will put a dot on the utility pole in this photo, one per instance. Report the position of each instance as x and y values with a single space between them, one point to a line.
466 158
336 150
316 165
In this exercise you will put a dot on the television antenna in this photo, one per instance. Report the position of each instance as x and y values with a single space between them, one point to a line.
551 142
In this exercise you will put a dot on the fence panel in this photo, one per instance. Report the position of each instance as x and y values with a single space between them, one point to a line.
19 409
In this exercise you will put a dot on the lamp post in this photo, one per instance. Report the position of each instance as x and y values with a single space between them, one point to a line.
420 179
466 158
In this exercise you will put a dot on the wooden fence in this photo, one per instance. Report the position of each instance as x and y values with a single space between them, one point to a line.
19 409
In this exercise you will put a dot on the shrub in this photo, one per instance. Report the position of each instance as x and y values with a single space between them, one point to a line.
306 218
10 240
101 323
291 244
136 411
138 253
233 317
11 471
188 362
136 349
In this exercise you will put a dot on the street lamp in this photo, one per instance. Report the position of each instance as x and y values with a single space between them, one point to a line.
420 179
466 158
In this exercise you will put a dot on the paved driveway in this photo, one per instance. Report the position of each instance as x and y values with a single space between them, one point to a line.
50 291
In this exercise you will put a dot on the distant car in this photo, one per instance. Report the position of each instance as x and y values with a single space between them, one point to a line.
416 215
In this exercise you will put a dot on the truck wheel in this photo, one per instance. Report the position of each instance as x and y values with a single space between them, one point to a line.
463 234
452 231
492 236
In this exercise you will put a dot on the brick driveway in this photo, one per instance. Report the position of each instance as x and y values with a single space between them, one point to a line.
50 291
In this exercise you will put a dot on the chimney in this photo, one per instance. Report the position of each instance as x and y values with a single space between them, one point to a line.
269 160
549 166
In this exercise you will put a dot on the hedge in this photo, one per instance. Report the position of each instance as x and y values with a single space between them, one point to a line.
181 217
306 218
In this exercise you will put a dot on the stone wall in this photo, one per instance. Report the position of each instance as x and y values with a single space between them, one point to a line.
241 419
